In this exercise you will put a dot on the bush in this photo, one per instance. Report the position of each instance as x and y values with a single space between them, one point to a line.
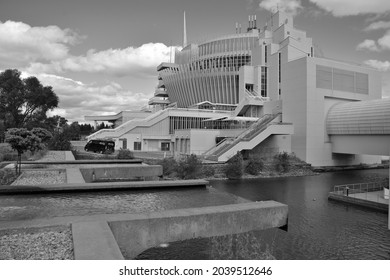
254 166
208 171
189 167
125 154
282 162
7 176
234 167
60 142
169 166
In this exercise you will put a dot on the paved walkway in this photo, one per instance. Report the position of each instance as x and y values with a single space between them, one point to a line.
376 196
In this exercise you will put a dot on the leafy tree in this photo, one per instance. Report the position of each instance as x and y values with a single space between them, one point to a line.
282 162
234 168
254 166
189 167
2 131
23 100
23 140
169 166
60 142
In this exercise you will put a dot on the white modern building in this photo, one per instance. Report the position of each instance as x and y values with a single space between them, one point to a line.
261 91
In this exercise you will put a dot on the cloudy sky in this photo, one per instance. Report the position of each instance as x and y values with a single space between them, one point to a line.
101 56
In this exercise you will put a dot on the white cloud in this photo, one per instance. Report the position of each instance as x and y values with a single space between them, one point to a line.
115 62
288 6
378 25
78 99
340 8
382 44
377 64
368 45
21 44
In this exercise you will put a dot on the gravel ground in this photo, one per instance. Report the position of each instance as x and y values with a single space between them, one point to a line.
38 177
43 244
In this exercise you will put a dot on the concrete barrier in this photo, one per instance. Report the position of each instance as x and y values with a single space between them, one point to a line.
149 230
22 189
143 172
360 202
94 241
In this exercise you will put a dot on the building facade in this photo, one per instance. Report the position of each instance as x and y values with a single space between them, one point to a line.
260 90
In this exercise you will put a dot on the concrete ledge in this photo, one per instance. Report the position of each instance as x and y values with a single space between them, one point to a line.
86 161
361 202
69 155
149 230
147 172
21 189
74 176
94 241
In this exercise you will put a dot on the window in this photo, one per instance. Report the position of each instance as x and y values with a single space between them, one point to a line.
342 80
137 146
165 146
280 67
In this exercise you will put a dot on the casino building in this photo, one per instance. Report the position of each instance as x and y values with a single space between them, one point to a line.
258 91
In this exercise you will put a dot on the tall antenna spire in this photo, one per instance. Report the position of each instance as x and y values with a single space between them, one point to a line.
184 31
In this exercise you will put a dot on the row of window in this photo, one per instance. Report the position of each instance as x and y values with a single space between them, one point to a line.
339 79
165 146
232 63
228 45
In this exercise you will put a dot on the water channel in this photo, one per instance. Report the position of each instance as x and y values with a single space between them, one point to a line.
318 228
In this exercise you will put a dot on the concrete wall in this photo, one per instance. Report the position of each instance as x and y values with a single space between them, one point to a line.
307 106
147 172
149 230
272 145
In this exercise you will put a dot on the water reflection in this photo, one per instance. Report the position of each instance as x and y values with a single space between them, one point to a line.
318 228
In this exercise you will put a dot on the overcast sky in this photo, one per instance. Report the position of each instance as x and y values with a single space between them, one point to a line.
101 56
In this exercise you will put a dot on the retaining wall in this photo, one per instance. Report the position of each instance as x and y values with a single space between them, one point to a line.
151 229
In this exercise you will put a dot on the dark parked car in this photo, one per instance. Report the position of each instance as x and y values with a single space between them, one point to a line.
101 146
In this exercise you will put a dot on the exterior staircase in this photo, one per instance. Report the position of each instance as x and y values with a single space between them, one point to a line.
250 138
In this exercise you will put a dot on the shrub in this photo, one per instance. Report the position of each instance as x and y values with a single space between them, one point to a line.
282 162
189 167
60 142
7 176
208 171
254 166
125 154
234 167
169 166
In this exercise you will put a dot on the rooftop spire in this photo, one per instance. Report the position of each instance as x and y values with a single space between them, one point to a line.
184 31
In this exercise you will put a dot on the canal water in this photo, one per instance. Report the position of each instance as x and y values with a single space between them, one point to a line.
318 228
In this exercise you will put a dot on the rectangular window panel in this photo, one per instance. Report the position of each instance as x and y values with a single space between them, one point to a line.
137 146
165 146
361 80
343 80
324 77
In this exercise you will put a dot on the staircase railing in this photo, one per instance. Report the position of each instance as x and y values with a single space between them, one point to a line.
247 135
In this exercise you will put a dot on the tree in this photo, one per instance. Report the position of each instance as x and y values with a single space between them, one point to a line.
23 140
23 100
234 168
189 167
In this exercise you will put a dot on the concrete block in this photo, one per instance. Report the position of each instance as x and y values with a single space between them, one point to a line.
94 241
151 229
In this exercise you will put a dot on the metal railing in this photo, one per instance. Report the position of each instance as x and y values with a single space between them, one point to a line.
362 190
